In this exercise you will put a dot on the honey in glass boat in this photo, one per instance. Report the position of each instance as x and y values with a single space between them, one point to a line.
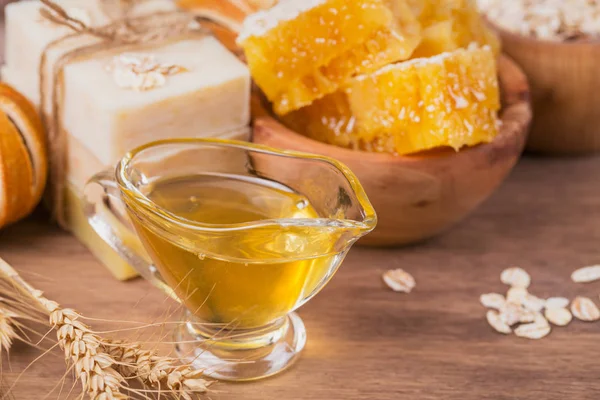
301 50
450 100
240 234
242 282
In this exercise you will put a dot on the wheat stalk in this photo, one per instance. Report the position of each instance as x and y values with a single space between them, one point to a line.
7 330
103 366
158 372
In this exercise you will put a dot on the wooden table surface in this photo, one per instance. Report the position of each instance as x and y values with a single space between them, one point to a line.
366 342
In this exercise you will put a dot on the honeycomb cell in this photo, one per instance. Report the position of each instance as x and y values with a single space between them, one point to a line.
302 50
450 24
450 100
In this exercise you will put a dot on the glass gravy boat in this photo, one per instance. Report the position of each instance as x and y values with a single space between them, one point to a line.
239 280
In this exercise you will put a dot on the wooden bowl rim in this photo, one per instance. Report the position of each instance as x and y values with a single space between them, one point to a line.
516 95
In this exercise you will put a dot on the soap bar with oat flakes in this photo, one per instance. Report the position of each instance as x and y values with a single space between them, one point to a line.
193 88
115 101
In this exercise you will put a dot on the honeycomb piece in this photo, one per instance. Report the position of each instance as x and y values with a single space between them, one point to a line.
450 100
301 50
450 24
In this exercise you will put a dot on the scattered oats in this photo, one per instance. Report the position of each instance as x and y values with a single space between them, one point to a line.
558 316
495 320
557 302
533 303
492 300
535 330
515 277
587 274
516 295
141 72
527 316
511 313
399 280
585 309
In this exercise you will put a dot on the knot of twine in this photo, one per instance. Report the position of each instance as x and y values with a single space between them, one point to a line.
147 29
125 31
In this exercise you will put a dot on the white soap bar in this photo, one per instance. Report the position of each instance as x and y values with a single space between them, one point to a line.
27 33
82 161
210 98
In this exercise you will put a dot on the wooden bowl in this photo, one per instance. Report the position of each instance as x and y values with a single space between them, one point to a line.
564 79
420 196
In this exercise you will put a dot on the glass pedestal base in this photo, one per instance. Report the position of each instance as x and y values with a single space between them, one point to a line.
241 355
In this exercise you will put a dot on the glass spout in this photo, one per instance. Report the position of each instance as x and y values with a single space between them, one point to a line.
329 211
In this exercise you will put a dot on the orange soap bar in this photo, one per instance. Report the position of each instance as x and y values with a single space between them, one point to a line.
450 24
302 50
450 100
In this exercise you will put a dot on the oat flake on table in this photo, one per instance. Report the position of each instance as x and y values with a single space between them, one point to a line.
516 295
557 302
492 300
399 280
558 316
584 309
533 303
516 277
586 274
535 330
496 321
512 314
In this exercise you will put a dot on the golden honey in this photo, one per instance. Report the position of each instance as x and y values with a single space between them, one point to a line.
253 276
302 50
450 100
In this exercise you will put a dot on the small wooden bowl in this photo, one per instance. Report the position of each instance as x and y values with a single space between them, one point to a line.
420 196
565 80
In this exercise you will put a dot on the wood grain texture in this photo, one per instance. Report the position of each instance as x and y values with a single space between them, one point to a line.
418 197
564 81
366 342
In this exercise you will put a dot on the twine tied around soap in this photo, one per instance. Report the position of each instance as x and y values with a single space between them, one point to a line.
124 32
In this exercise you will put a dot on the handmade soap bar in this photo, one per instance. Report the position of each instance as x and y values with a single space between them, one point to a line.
28 34
200 89
301 50
448 100
82 164
122 98
209 96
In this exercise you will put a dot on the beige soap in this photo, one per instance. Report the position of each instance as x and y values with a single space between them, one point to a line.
189 88
209 97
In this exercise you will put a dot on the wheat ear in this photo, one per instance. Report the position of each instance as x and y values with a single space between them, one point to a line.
7 331
103 366
159 373
83 351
